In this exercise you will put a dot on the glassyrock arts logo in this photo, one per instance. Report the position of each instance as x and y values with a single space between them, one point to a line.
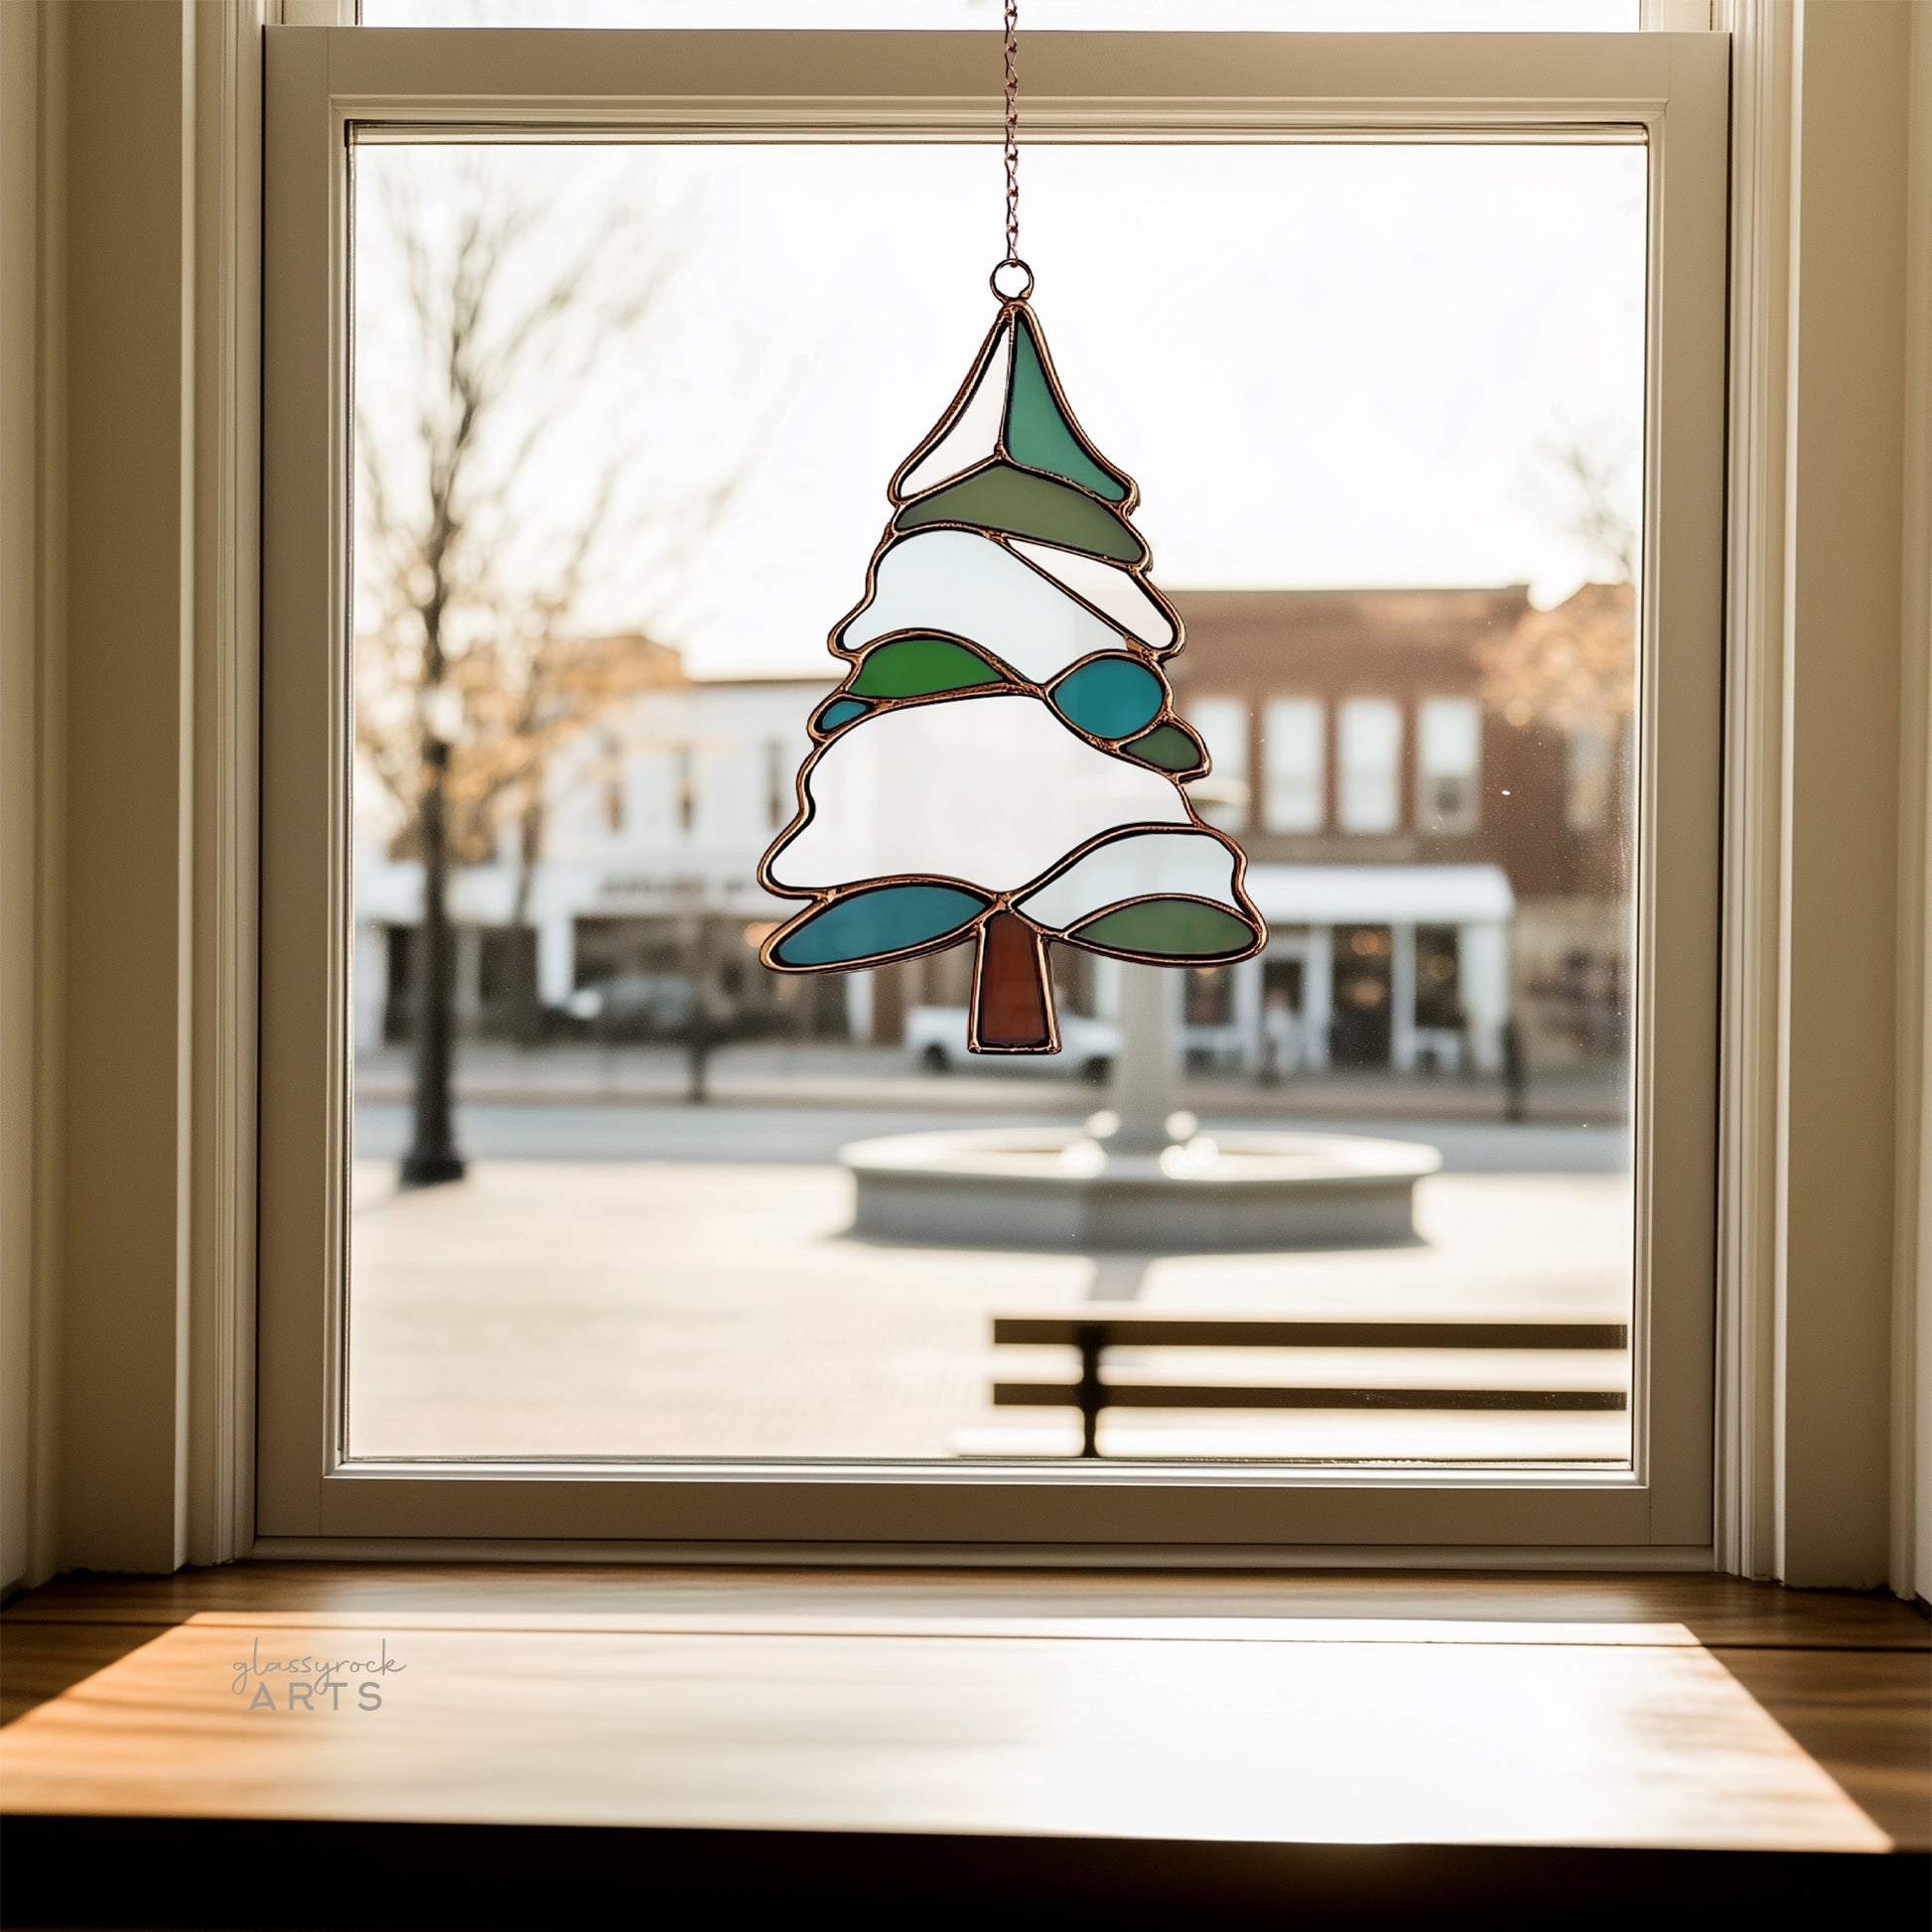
313 1683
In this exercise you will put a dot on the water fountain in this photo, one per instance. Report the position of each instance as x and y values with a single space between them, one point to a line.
1138 1175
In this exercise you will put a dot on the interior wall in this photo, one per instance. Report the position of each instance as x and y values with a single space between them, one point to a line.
1912 1322
19 519
129 799
31 821
1842 696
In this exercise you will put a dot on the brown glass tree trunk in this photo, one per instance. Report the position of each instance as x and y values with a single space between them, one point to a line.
1013 999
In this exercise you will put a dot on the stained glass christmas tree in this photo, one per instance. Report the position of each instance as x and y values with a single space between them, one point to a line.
1002 764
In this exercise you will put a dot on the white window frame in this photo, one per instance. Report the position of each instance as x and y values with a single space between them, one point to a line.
1671 89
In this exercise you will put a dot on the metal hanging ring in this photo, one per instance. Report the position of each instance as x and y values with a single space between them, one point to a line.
1010 295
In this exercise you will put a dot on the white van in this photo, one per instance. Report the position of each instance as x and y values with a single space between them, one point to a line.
936 1036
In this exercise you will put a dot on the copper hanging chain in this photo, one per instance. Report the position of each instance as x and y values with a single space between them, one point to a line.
1011 259
1012 131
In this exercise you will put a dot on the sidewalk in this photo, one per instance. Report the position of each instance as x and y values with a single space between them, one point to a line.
654 1309
779 1075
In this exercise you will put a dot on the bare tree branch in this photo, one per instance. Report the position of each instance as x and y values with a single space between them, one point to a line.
496 337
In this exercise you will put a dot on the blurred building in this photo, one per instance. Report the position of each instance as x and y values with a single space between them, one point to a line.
645 889
1430 861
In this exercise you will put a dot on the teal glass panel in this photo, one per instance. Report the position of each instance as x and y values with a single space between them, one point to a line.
1001 498
1110 696
1167 747
1168 928
1039 434
912 667
885 920
841 711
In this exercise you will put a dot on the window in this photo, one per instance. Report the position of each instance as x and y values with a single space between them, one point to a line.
1591 754
857 1374
779 764
684 786
1222 796
615 790
1448 757
1370 758
1294 756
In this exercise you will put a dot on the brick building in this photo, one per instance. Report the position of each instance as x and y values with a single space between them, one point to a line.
1428 862
1428 866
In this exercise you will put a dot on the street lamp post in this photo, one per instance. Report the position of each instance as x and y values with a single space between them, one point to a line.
433 1158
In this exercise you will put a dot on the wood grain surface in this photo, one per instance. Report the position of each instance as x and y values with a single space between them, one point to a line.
1668 1714
1453 1742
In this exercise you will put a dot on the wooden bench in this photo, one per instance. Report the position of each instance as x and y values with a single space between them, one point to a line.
1094 1334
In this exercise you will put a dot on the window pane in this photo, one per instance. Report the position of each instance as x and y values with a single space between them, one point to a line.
1371 765
1449 762
1294 740
1222 797
624 436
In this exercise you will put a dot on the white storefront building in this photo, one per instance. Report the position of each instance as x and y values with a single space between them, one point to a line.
662 815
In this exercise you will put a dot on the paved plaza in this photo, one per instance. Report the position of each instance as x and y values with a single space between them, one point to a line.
670 1282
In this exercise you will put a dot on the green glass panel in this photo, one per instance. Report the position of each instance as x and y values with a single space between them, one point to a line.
1110 696
914 668
1001 498
1168 928
1038 434
1167 747
885 920
841 711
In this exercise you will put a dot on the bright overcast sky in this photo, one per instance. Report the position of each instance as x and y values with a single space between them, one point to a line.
1325 365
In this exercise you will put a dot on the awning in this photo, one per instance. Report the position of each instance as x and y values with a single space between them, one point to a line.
1380 895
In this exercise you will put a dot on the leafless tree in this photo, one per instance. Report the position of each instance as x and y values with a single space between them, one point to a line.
457 590
1573 666
472 666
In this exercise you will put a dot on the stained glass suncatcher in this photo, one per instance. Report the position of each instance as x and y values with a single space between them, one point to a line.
1002 764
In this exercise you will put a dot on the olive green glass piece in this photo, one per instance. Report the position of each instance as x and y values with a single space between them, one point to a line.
915 667
1038 432
1167 747
1001 498
1168 928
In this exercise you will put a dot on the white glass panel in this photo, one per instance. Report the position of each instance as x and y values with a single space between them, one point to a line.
1449 750
993 791
1371 765
959 582
1108 588
973 437
1136 867
1222 796
1295 761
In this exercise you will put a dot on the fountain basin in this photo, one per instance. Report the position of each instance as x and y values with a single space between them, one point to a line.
1020 1187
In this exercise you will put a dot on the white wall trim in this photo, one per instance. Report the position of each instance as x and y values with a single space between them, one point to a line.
1911 1390
1747 1202
228 468
44 1545
1630 1559
33 772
